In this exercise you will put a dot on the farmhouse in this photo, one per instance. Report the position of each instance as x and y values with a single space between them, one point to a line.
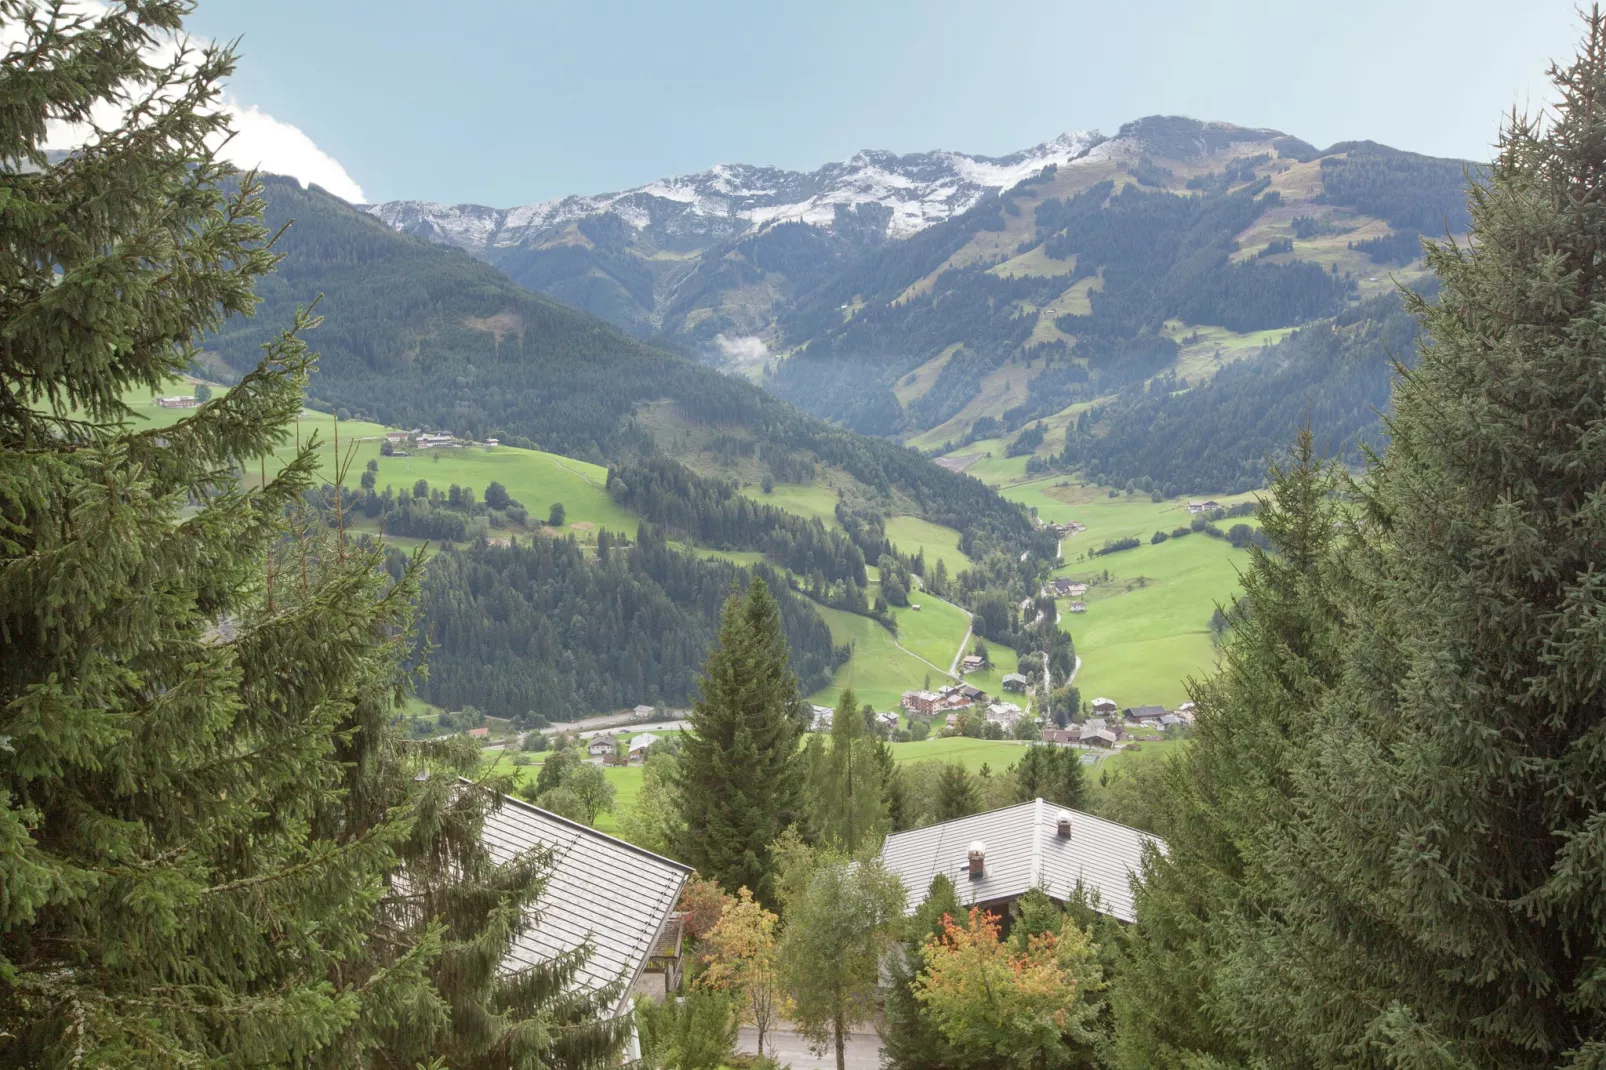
1100 737
478 733
996 857
639 745
972 662
642 713
1143 714
887 720
1078 607
600 891
396 437
1072 734
1014 681
178 401
1105 707
1206 506
971 694
602 747
821 719
430 441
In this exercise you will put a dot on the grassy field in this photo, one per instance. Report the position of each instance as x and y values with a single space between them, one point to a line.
933 631
999 754
1146 629
815 499
911 535
534 478
878 671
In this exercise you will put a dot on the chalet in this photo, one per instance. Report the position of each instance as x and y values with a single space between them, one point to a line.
1078 607
821 717
972 663
478 733
1004 714
1098 724
1186 711
178 401
602 747
1073 734
955 721
887 720
639 745
971 694
1014 681
492 442
599 891
1171 720
996 857
1100 737
1105 707
430 440
1144 714
642 713
1206 506
396 437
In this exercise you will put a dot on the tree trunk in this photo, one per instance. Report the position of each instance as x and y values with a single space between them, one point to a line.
841 1042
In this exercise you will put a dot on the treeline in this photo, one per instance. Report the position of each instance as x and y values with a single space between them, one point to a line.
540 630
712 513
1334 376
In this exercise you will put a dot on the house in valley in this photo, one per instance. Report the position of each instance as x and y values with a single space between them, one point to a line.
1078 607
602 747
478 733
1069 734
972 663
1014 681
638 746
1208 505
642 713
924 703
1105 707
177 401
1145 714
996 857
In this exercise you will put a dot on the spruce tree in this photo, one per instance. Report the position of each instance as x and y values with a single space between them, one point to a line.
1442 900
1053 774
1189 963
738 777
214 850
848 783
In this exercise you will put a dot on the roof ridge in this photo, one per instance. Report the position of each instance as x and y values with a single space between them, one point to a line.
1037 842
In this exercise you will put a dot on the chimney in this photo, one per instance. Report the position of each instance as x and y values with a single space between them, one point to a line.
1064 827
978 859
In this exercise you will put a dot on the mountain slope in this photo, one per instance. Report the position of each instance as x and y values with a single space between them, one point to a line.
417 334
719 252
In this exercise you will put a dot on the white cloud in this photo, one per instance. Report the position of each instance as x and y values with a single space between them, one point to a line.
746 349
270 144
259 141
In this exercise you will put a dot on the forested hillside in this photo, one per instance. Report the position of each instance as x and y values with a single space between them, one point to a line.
539 630
417 334
1332 376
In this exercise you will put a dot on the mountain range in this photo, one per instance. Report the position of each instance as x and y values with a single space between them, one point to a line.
935 295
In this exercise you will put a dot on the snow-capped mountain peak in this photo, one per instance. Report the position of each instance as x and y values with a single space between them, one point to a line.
729 199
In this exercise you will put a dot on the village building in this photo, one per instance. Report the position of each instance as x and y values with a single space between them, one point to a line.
887 720
1100 737
396 437
1105 707
1070 734
971 694
177 401
1187 711
602 747
642 713
971 663
600 891
1171 720
1014 681
1004 714
639 744
1078 607
821 718
478 733
1142 714
996 857
1206 506
924 703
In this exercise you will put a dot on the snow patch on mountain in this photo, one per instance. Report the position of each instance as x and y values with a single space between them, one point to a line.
732 199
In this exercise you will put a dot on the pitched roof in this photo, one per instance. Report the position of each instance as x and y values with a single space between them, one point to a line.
1146 711
613 893
1024 851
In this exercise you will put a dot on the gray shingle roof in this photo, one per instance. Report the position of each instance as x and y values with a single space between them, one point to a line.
614 893
1024 851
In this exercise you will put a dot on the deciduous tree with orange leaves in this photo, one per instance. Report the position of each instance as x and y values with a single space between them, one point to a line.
1019 1000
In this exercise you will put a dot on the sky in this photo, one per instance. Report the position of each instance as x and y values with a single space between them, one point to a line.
506 102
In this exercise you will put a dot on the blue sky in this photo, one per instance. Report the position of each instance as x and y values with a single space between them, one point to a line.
501 102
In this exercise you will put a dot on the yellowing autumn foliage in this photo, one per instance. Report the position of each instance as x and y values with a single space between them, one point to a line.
741 955
1019 1000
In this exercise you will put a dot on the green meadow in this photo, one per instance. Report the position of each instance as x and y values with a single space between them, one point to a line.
1146 629
912 535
